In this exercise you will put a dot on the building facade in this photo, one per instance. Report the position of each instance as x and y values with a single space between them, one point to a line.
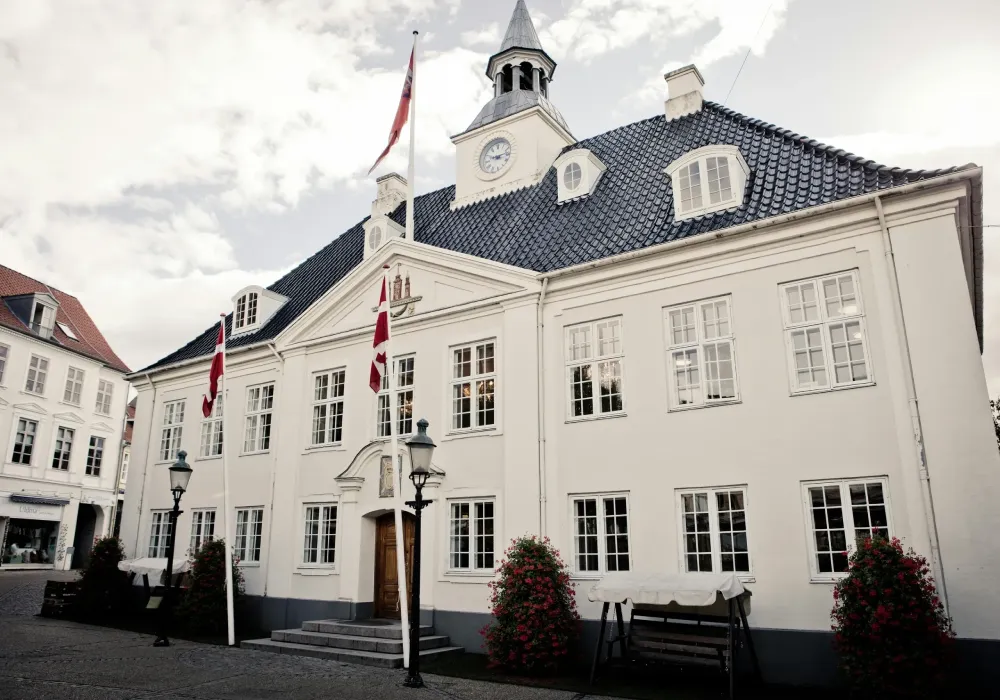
694 343
62 395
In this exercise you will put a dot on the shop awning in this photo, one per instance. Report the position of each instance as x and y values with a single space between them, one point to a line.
38 500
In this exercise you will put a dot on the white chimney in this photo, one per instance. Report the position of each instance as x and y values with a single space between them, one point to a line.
391 191
683 92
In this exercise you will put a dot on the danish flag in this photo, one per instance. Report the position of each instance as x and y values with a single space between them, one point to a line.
381 342
218 365
402 112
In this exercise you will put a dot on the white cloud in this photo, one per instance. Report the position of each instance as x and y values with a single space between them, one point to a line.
488 36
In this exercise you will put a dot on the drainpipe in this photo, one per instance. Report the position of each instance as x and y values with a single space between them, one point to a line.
542 505
274 466
145 464
118 471
914 406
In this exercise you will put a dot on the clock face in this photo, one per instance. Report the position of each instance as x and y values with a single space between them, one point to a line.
495 156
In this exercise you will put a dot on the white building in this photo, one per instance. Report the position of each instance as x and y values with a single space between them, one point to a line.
697 342
62 396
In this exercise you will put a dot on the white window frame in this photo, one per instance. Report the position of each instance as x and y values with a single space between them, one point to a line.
253 529
34 440
589 354
210 442
62 447
172 431
825 323
400 393
105 390
125 460
329 393
95 455
4 359
323 507
817 576
247 304
202 527
714 531
602 549
74 386
159 527
259 414
31 378
477 548
699 345
478 380
706 158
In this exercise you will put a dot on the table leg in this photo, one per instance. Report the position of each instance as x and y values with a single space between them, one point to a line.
732 660
621 628
600 640
746 632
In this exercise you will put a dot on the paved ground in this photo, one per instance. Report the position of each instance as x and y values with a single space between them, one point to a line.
43 658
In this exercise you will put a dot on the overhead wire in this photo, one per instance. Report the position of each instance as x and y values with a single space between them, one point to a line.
747 55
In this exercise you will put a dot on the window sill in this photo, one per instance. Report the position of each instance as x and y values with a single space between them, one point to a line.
249 564
586 576
330 447
829 580
70 403
471 432
252 454
307 570
207 459
103 415
828 389
601 416
32 393
459 576
713 404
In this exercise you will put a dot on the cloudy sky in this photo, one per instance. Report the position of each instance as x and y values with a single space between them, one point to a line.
157 156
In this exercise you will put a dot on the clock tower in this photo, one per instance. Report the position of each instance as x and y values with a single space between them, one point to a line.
519 133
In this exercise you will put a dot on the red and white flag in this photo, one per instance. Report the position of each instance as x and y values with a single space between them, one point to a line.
402 113
218 363
381 342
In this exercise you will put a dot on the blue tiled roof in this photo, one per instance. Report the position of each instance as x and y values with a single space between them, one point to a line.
631 209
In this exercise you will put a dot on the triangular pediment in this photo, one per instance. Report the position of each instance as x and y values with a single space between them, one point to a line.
30 408
3 402
102 427
68 417
424 281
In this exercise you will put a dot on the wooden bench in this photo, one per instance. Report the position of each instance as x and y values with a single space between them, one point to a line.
59 597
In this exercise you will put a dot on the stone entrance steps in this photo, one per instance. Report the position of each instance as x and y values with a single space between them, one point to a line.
368 642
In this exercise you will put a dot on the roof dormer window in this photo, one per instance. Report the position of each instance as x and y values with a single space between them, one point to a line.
43 319
253 307
707 180
246 311
571 176
578 172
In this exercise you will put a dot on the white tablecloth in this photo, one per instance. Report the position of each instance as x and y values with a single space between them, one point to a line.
154 567
663 589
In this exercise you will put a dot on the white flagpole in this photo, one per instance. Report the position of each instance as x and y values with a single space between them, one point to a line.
410 176
404 603
225 492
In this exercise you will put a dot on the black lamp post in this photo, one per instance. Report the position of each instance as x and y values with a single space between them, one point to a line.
180 475
421 449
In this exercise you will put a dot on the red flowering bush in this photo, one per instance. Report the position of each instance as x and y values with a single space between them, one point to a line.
534 609
891 632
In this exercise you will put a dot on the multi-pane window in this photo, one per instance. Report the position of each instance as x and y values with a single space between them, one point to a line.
328 407
473 386
471 544
600 534
249 529
320 546
159 533
202 528
841 514
246 311
719 186
701 353
74 386
170 437
64 444
595 355
4 352
211 431
104 391
714 528
24 441
38 370
125 459
95 455
260 404
404 368
690 187
825 332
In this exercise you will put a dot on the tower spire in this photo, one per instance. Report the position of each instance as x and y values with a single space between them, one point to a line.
521 32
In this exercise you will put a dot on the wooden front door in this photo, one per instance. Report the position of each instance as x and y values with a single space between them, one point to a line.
386 571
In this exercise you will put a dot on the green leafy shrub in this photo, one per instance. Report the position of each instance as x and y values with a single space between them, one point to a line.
203 608
891 632
103 588
534 609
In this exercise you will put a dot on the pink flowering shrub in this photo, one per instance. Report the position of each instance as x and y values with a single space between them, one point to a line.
534 609
890 630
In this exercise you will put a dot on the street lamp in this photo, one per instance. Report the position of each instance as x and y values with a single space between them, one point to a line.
180 475
421 449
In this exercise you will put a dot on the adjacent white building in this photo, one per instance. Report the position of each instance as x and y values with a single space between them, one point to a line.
699 342
62 397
